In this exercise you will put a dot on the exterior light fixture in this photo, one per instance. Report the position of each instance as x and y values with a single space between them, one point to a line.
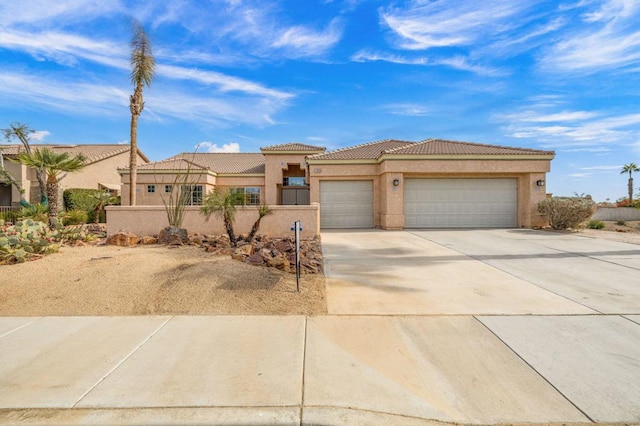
540 182
396 182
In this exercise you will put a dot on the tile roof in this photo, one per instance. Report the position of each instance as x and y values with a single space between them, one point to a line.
429 147
294 146
227 162
170 164
367 151
445 147
94 153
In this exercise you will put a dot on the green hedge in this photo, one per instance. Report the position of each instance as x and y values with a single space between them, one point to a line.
79 199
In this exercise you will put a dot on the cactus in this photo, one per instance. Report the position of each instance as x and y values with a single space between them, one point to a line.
25 240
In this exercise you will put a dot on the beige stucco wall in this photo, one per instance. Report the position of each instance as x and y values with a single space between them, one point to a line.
149 220
144 198
103 171
388 200
274 165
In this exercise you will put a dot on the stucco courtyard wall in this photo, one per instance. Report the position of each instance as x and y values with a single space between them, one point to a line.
149 220
616 213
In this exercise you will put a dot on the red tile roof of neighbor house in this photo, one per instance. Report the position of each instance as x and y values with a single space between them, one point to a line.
294 146
228 162
171 164
375 150
93 153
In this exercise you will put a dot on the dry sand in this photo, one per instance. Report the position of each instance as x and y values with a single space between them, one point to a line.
149 280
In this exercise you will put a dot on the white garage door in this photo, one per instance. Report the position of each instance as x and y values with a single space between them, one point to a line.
346 204
460 203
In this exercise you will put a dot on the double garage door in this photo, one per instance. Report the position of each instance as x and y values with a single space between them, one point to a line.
428 203
460 203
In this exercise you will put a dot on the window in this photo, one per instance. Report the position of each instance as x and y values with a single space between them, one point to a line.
195 194
168 188
251 195
151 189
294 181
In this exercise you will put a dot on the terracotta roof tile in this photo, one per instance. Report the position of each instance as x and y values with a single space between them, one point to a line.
227 162
445 147
170 164
94 153
367 151
293 147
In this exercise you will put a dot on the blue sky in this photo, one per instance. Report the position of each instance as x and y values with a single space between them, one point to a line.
240 74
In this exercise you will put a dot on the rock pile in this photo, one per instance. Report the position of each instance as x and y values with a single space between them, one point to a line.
276 253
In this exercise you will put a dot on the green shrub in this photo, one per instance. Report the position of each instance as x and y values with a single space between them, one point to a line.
75 217
566 212
595 224
621 223
79 199
24 240
36 212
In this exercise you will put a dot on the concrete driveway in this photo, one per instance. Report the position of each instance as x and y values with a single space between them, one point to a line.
462 272
564 307
468 327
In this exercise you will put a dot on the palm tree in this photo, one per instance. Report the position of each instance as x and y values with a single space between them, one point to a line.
23 132
223 205
142 72
102 199
52 164
630 168
263 210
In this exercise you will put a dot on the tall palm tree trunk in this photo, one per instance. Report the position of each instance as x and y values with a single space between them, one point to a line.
136 107
630 188
52 195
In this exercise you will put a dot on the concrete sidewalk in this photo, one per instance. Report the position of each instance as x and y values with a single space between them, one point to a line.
319 370
424 328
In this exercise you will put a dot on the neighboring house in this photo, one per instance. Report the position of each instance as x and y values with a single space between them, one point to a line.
388 184
100 172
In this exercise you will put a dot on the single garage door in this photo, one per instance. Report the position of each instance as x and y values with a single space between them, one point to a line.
460 203
346 204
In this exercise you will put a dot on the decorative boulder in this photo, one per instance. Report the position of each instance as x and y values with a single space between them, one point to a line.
123 239
173 236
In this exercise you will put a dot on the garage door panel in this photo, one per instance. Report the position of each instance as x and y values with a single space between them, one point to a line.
461 203
346 204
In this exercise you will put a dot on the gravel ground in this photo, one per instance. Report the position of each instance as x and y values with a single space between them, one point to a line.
150 280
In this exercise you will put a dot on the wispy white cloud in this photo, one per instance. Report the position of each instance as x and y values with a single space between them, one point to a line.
408 109
608 37
160 101
212 147
618 167
458 62
595 130
424 25
224 82
39 135
369 56
300 41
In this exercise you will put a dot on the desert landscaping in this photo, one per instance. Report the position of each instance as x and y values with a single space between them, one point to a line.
153 280
191 279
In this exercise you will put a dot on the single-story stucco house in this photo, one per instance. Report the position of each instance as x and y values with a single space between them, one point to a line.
388 184
100 171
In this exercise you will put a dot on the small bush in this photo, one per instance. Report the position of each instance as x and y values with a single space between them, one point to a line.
595 224
621 223
566 212
75 217
79 199
624 202
36 212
